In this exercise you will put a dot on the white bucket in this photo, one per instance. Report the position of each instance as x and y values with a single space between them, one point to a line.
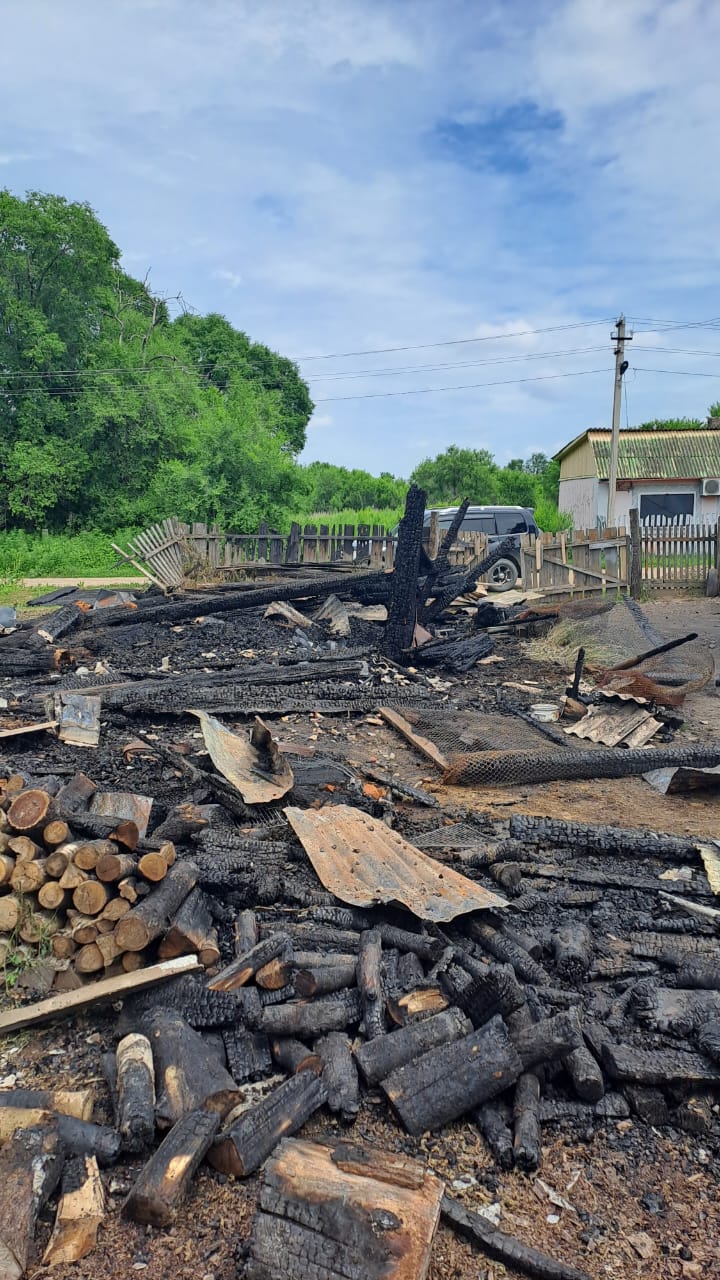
545 711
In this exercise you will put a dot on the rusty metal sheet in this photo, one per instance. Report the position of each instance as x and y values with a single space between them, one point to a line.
364 863
254 765
627 724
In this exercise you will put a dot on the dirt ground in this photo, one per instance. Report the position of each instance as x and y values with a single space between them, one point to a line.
624 1200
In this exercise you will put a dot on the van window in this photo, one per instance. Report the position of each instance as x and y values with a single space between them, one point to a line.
510 522
479 524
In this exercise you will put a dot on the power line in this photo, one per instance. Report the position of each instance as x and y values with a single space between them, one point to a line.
676 373
454 342
337 355
466 386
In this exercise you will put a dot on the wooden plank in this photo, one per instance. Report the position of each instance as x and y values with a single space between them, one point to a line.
323 544
309 555
292 550
416 740
70 1002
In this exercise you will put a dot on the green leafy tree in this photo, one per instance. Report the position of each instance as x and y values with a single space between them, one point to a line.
107 406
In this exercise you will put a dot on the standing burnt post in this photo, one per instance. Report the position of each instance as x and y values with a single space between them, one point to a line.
402 612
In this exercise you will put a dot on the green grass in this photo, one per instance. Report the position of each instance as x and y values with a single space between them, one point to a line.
386 517
19 957
80 555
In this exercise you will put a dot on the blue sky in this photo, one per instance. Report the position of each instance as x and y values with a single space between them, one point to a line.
349 176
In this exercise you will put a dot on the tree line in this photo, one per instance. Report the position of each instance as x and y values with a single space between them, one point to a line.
119 407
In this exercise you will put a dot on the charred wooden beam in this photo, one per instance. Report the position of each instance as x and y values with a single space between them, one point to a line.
586 837
573 949
585 1073
504 1248
365 585
467 580
244 967
293 1056
527 1141
250 1138
548 1040
658 1066
163 1184
187 1070
370 983
339 1075
612 1106
378 1058
492 1119
307 1019
454 1078
248 1054
135 1092
507 950
200 1008
403 606
324 979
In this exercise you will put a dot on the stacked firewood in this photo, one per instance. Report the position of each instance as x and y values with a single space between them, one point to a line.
88 890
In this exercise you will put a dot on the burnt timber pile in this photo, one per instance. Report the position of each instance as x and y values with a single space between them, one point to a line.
277 938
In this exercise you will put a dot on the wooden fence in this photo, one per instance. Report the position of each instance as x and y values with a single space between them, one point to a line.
677 555
575 561
175 551
650 556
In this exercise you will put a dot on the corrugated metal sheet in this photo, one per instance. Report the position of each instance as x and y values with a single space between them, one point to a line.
364 863
659 455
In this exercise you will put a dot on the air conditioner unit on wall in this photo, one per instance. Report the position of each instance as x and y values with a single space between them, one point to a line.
711 488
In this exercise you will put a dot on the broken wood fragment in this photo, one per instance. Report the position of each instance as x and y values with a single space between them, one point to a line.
135 1092
421 744
80 1213
69 1102
30 1168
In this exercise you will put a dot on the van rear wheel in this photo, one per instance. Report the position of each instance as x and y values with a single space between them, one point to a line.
503 576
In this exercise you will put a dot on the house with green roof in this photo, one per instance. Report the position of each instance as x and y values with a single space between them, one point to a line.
668 475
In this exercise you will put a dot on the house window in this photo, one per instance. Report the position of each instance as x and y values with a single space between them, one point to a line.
666 506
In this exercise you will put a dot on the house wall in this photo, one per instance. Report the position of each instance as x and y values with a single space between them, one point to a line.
579 498
707 510
579 463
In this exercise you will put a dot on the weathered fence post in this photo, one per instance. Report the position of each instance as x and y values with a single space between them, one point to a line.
635 554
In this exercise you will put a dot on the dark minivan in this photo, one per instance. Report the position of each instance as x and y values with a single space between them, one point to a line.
499 523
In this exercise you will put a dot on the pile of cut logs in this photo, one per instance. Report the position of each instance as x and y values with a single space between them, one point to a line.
88 890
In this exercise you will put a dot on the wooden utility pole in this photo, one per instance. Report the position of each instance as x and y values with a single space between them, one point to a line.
621 364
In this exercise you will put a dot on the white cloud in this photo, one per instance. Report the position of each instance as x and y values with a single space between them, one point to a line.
299 142
232 278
